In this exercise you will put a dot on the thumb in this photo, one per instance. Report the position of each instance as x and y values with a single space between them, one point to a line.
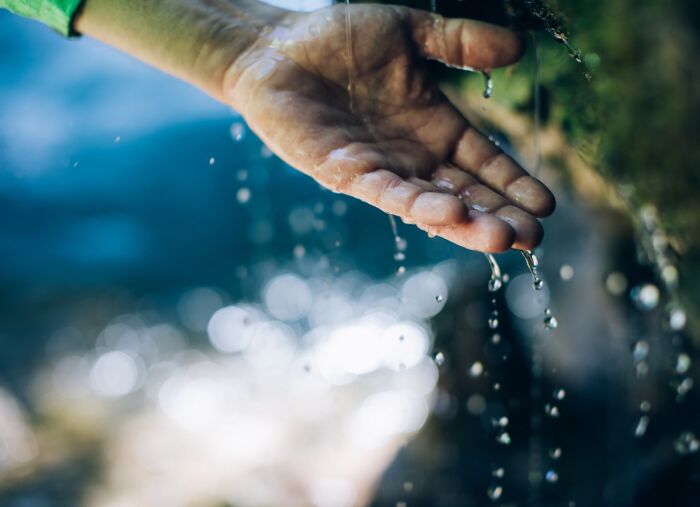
463 42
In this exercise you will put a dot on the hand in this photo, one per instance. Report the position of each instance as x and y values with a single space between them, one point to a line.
359 112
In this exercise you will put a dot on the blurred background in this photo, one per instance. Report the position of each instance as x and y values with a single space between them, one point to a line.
187 321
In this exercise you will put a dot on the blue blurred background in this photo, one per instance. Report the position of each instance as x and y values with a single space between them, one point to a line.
144 229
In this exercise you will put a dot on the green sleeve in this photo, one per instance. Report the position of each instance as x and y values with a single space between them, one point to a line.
58 14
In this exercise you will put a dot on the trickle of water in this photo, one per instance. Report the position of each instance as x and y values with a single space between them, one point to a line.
494 492
536 118
488 84
496 280
400 245
533 265
348 47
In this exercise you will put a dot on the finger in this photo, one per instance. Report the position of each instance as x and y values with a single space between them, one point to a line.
528 230
480 231
480 157
465 43
392 194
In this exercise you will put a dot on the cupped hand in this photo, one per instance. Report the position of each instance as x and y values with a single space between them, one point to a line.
344 95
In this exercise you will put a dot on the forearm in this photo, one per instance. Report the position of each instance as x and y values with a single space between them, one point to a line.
196 40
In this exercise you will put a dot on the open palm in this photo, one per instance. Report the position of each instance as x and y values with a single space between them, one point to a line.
358 111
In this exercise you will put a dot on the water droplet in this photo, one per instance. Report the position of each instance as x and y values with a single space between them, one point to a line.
685 385
503 438
495 492
237 131
493 320
616 283
401 243
686 443
488 84
645 406
677 319
645 296
399 256
551 410
299 251
682 363
243 195
496 339
476 369
641 350
559 394
499 473
408 486
555 453
439 358
551 476
439 298
212 161
550 321
117 139
400 270
566 272
537 283
242 175
642 426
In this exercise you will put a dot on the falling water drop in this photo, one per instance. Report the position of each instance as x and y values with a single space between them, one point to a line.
682 363
498 472
686 443
559 394
439 298
439 358
503 438
551 410
493 319
494 492
555 453
476 369
551 476
642 426
550 321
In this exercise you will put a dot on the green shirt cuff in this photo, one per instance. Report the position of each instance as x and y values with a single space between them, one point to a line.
58 14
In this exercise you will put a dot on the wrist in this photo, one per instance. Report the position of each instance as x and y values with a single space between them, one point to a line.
196 40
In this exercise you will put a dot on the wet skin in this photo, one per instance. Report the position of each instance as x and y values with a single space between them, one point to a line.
359 111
